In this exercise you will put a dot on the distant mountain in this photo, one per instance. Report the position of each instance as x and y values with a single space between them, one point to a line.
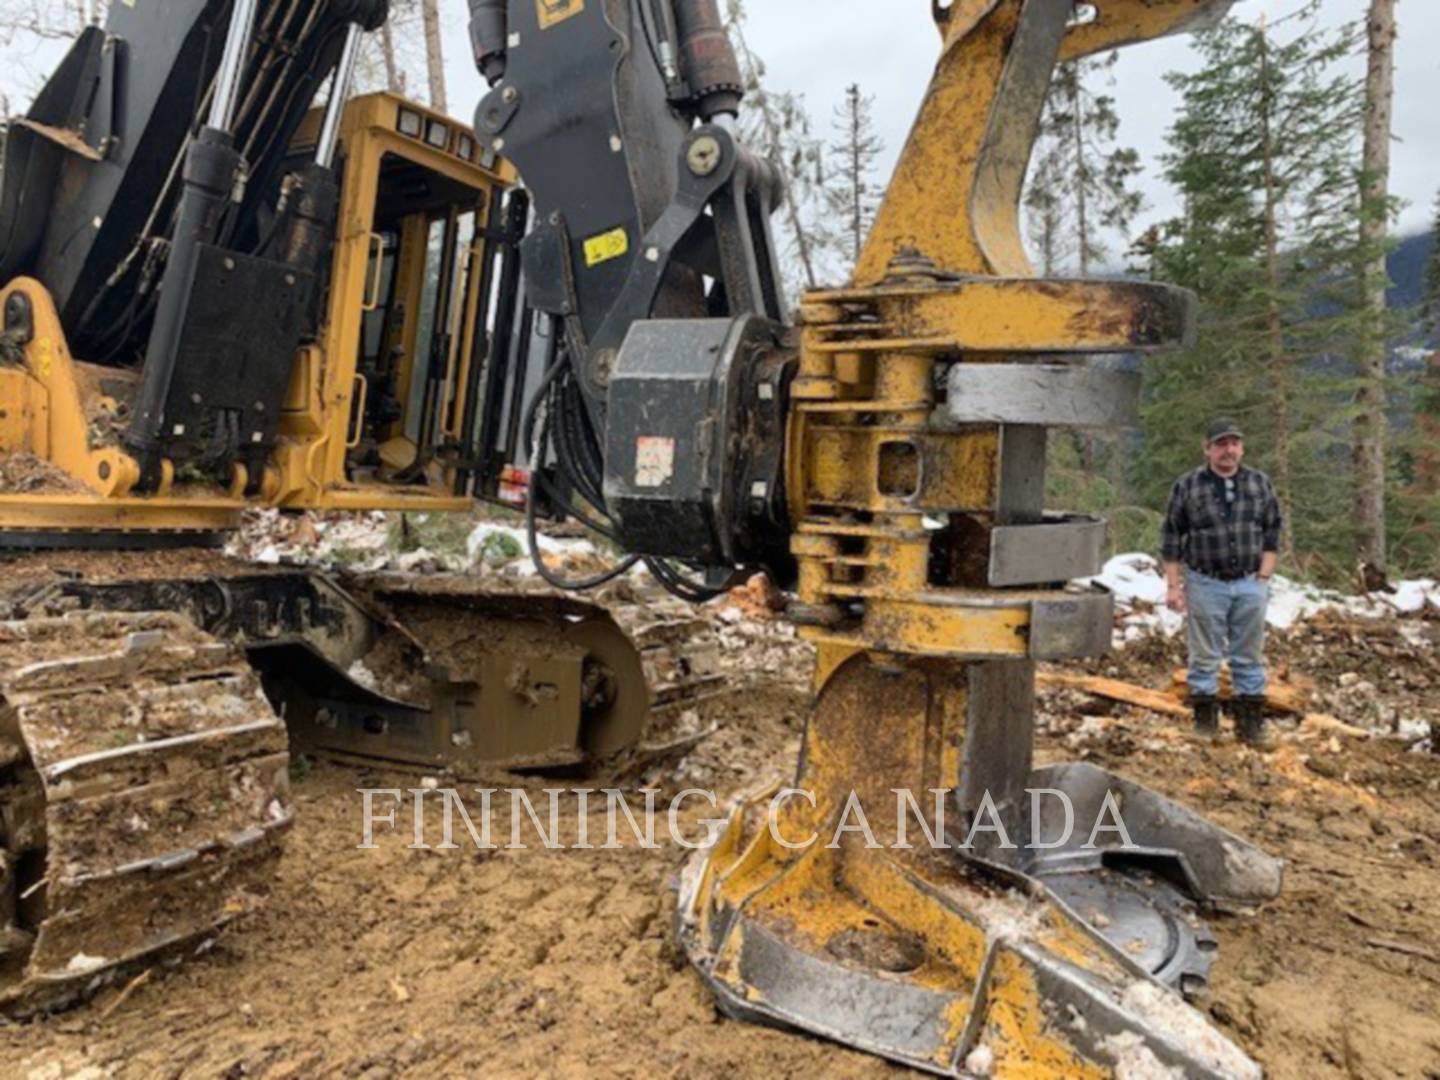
1407 269
1407 265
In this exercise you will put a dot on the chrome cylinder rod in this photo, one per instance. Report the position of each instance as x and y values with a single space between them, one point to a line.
232 65
339 93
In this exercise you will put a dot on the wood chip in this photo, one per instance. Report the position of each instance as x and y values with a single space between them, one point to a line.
124 995
1404 949
1320 723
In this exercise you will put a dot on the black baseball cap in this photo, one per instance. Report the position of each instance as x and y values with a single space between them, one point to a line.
1223 428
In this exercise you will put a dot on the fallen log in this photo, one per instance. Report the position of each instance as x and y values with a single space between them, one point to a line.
1116 690
1167 704
1280 696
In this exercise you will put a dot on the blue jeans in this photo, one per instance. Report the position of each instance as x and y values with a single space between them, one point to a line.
1227 618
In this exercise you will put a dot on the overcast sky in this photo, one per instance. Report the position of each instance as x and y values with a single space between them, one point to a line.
818 47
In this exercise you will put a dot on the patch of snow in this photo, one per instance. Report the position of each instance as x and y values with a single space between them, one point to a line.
1166 1014
363 675
80 964
1133 577
980 1061
1413 597
1138 582
408 562
1411 728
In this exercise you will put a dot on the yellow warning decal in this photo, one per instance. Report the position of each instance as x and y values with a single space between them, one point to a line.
557 11
607 246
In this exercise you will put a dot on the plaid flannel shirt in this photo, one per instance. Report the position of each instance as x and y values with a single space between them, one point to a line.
1218 532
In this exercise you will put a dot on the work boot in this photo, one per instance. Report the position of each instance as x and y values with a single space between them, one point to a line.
1207 717
1250 723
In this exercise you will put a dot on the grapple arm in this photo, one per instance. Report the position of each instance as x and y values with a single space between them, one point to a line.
930 579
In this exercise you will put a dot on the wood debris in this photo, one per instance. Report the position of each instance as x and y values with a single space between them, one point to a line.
1117 690
1282 697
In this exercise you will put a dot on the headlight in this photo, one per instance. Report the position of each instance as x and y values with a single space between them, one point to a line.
410 123
465 147
437 135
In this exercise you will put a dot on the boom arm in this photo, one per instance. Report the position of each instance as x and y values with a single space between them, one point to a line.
110 131
648 212
152 174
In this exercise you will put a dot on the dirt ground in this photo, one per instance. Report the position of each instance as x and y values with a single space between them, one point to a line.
399 963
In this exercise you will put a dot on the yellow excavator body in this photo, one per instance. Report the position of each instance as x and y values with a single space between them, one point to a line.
397 189
131 689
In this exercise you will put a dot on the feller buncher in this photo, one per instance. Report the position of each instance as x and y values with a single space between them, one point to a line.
883 455
218 297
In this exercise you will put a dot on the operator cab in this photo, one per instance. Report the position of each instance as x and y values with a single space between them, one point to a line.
416 304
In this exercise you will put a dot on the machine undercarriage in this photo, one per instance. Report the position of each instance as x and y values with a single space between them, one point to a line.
144 758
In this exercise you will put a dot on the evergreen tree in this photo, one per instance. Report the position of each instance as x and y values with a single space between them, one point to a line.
853 193
1080 194
1263 155
1081 183
1414 516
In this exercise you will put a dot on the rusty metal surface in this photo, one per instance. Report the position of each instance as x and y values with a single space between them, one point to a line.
69 139
916 536
929 956
1008 315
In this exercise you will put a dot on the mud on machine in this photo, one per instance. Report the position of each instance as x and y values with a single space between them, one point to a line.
897 438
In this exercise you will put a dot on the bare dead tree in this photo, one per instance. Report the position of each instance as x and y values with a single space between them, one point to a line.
778 126
48 20
434 55
26 24
1370 420
394 77
394 58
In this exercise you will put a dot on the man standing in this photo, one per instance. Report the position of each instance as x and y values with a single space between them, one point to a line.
1222 534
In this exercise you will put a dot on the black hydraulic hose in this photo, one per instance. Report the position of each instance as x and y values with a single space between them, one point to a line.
711 66
489 37
532 533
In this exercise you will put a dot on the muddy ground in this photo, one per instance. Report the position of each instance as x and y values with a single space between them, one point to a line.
398 963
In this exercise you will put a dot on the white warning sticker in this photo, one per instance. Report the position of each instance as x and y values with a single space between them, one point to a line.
654 461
